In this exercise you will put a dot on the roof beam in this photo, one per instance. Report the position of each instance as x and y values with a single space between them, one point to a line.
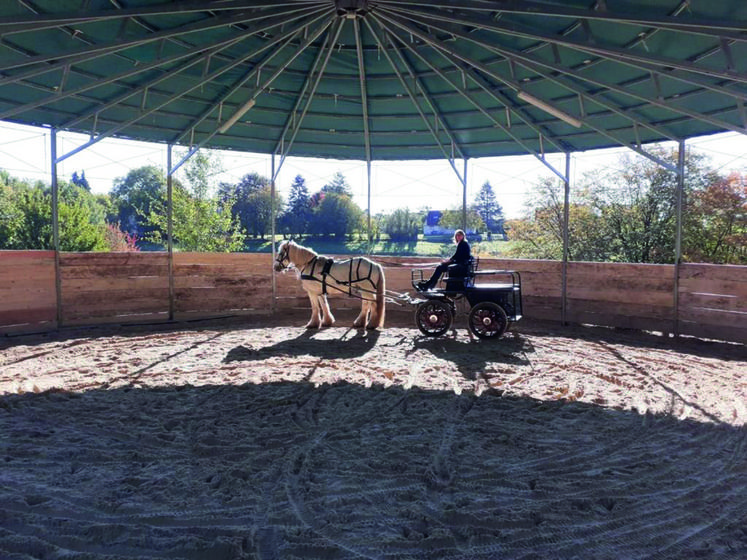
611 87
597 47
247 77
115 46
471 64
515 86
429 100
333 39
536 64
699 25
487 114
413 98
177 95
364 93
18 24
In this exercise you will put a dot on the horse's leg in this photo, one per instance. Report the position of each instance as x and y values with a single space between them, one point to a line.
373 318
327 318
314 320
360 320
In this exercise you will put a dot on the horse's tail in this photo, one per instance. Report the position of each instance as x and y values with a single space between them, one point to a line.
380 297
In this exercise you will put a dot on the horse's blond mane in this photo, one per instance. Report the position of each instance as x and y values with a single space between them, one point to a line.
300 255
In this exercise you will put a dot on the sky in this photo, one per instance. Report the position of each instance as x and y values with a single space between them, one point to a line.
25 153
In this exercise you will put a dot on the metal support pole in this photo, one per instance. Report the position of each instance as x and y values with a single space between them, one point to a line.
272 229
464 196
170 228
370 236
56 226
678 237
566 214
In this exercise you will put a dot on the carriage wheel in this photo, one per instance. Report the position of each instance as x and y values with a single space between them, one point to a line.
488 320
433 317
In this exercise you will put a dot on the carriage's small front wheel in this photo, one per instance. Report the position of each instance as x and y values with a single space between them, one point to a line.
433 317
488 320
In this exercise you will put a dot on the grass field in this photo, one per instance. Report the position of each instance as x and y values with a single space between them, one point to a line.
423 247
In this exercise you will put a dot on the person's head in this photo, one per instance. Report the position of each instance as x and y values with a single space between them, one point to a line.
459 235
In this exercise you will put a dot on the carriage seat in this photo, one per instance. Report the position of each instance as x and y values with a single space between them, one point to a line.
456 281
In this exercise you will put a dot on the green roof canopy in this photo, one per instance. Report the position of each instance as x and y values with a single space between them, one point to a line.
378 79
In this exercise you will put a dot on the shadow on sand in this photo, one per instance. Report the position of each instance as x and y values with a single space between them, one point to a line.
352 344
285 470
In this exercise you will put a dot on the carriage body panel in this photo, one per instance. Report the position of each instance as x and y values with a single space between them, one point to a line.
494 305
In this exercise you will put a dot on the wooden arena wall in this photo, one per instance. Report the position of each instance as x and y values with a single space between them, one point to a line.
100 288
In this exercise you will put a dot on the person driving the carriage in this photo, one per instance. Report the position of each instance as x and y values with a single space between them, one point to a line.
457 265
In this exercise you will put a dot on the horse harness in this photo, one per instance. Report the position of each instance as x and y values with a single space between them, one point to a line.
324 264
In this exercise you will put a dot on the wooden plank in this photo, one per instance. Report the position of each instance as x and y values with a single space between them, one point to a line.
258 260
26 299
711 286
124 271
139 258
17 258
134 284
630 270
713 301
622 309
113 309
703 316
612 296
37 314
713 272
157 317
222 282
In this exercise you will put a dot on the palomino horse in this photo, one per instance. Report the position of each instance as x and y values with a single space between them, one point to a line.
359 277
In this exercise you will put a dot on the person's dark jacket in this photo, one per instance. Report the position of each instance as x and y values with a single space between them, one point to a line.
462 254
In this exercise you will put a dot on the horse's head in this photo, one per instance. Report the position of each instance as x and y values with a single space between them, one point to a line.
283 261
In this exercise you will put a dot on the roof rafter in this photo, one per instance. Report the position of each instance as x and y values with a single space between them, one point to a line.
36 22
595 47
118 45
698 25
332 36
482 110
287 38
413 98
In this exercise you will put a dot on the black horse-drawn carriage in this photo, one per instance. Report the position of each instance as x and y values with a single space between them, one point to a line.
494 305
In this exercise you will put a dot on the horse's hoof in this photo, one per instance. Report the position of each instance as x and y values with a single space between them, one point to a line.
312 326
326 325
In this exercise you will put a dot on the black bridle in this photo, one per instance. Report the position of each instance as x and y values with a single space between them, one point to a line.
284 255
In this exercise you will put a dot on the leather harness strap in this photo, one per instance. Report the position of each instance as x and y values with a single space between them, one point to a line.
325 271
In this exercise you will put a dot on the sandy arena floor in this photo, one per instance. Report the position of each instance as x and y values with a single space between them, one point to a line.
257 439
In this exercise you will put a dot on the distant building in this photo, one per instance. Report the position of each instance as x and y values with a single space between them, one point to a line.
432 225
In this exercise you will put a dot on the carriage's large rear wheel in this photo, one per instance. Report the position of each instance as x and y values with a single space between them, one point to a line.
433 317
488 320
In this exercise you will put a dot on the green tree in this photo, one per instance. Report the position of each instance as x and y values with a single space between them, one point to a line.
79 231
132 199
540 234
486 205
336 214
10 216
251 203
401 225
298 212
201 222
338 185
716 222
638 204
452 219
